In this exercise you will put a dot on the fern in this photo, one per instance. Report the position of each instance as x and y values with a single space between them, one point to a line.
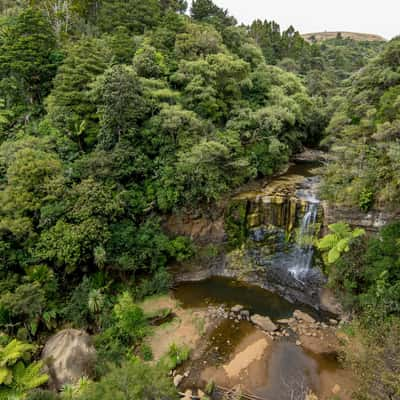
327 242
338 241
340 229
14 351
5 376
16 378
30 377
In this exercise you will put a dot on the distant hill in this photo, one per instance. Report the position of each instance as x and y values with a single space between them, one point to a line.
321 36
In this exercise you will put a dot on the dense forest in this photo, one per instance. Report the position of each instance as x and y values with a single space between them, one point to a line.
114 114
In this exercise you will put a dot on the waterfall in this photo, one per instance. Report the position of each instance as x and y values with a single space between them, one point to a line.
304 250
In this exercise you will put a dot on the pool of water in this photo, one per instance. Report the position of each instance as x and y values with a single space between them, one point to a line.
218 290
285 372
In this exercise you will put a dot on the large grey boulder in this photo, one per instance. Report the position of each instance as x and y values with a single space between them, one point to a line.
68 355
264 323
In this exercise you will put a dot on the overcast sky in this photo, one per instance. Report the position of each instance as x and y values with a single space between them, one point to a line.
380 17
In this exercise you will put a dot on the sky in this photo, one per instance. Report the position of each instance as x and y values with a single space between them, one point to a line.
381 17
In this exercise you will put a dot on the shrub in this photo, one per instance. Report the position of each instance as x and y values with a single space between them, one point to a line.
176 356
366 199
134 380
146 352
160 282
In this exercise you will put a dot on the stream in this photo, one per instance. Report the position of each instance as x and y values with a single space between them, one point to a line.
280 278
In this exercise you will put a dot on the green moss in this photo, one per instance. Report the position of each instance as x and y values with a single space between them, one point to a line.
236 223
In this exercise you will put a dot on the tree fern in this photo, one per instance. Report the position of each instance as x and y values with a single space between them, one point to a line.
338 241
17 378
14 351
28 377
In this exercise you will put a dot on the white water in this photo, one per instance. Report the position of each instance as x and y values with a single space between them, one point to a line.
305 250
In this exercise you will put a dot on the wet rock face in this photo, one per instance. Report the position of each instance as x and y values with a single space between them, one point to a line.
271 234
371 221
69 355
267 240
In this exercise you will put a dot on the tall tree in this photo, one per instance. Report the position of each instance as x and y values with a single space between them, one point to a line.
69 106
121 104
208 11
27 62
136 15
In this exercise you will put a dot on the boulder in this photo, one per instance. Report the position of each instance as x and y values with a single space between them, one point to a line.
177 380
300 315
264 323
237 308
68 355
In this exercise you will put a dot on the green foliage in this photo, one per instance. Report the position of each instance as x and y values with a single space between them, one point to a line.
366 200
338 241
42 395
121 105
149 63
377 366
208 11
134 380
115 113
146 352
129 318
134 15
77 310
367 275
363 136
160 282
176 356
28 63
69 106
235 224
17 375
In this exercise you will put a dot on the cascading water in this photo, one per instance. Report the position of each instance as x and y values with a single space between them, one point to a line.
304 251
282 222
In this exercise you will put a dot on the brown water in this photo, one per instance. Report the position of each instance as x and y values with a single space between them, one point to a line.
219 290
284 372
292 371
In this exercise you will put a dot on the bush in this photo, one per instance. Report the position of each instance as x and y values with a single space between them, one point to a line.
42 395
176 356
378 365
160 282
366 199
134 380
146 352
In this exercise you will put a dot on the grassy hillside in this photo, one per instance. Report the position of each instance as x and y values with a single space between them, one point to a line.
321 36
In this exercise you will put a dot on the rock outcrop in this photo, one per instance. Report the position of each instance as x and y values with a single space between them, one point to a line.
371 221
68 356
264 323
